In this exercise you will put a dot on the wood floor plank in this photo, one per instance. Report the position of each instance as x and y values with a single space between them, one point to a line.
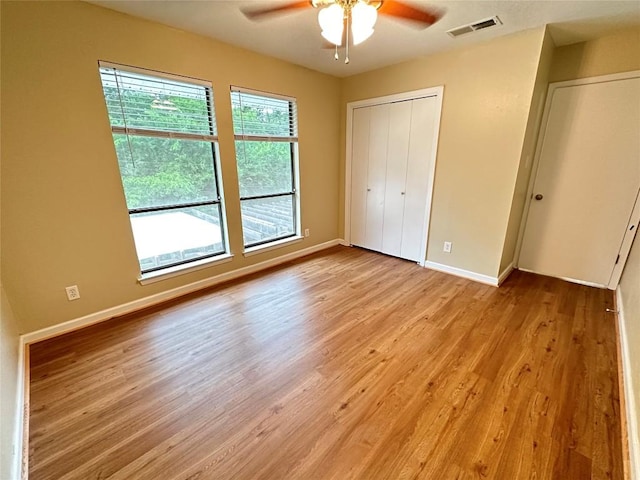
343 365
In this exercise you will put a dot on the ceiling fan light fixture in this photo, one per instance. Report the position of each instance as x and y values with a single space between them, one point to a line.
360 36
331 20
363 19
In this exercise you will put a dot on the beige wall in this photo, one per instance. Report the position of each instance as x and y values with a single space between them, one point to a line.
487 94
9 344
528 151
64 216
630 296
9 384
610 54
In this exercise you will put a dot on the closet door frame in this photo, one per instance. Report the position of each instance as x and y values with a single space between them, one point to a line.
436 92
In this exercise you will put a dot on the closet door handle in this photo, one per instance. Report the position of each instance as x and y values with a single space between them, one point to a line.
368 189
401 193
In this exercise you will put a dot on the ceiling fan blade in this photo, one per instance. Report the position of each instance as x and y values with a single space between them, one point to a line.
257 14
424 17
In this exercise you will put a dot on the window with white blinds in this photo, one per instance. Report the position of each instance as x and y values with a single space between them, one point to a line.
165 138
266 138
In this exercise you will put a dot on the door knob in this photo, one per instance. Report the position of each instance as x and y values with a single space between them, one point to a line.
401 193
538 196
368 189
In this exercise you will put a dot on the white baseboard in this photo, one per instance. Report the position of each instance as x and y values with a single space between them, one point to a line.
343 242
567 279
141 303
629 396
459 272
505 273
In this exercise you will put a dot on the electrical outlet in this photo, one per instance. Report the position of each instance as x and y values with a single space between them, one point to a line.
447 247
306 232
73 292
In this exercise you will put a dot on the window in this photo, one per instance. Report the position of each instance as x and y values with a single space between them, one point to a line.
165 138
266 136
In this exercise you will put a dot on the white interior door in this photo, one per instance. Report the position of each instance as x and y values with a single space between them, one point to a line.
587 181
422 137
396 177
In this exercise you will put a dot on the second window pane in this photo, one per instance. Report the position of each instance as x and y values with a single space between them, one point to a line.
267 219
264 168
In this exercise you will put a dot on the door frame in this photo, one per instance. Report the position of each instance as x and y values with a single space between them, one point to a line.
436 92
625 248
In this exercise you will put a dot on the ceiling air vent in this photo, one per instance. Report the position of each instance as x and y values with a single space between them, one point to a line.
472 27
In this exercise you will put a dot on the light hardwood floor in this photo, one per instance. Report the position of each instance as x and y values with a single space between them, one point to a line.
343 365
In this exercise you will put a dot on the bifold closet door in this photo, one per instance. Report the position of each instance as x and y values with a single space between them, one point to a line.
370 136
359 173
391 147
424 115
396 177
376 176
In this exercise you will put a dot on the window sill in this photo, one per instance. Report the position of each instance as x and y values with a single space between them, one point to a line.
170 272
272 246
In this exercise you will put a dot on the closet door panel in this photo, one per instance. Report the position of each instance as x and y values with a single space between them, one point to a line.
376 181
396 177
421 142
359 174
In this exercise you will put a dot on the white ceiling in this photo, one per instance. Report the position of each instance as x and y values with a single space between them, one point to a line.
295 37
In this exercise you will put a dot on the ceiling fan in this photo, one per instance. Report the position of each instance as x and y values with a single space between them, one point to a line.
339 18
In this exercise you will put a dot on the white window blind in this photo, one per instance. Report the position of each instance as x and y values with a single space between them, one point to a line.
263 116
178 109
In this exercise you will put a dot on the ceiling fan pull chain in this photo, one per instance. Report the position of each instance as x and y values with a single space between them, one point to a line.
336 56
346 58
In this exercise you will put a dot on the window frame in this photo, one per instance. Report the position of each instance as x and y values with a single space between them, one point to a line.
292 139
173 268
